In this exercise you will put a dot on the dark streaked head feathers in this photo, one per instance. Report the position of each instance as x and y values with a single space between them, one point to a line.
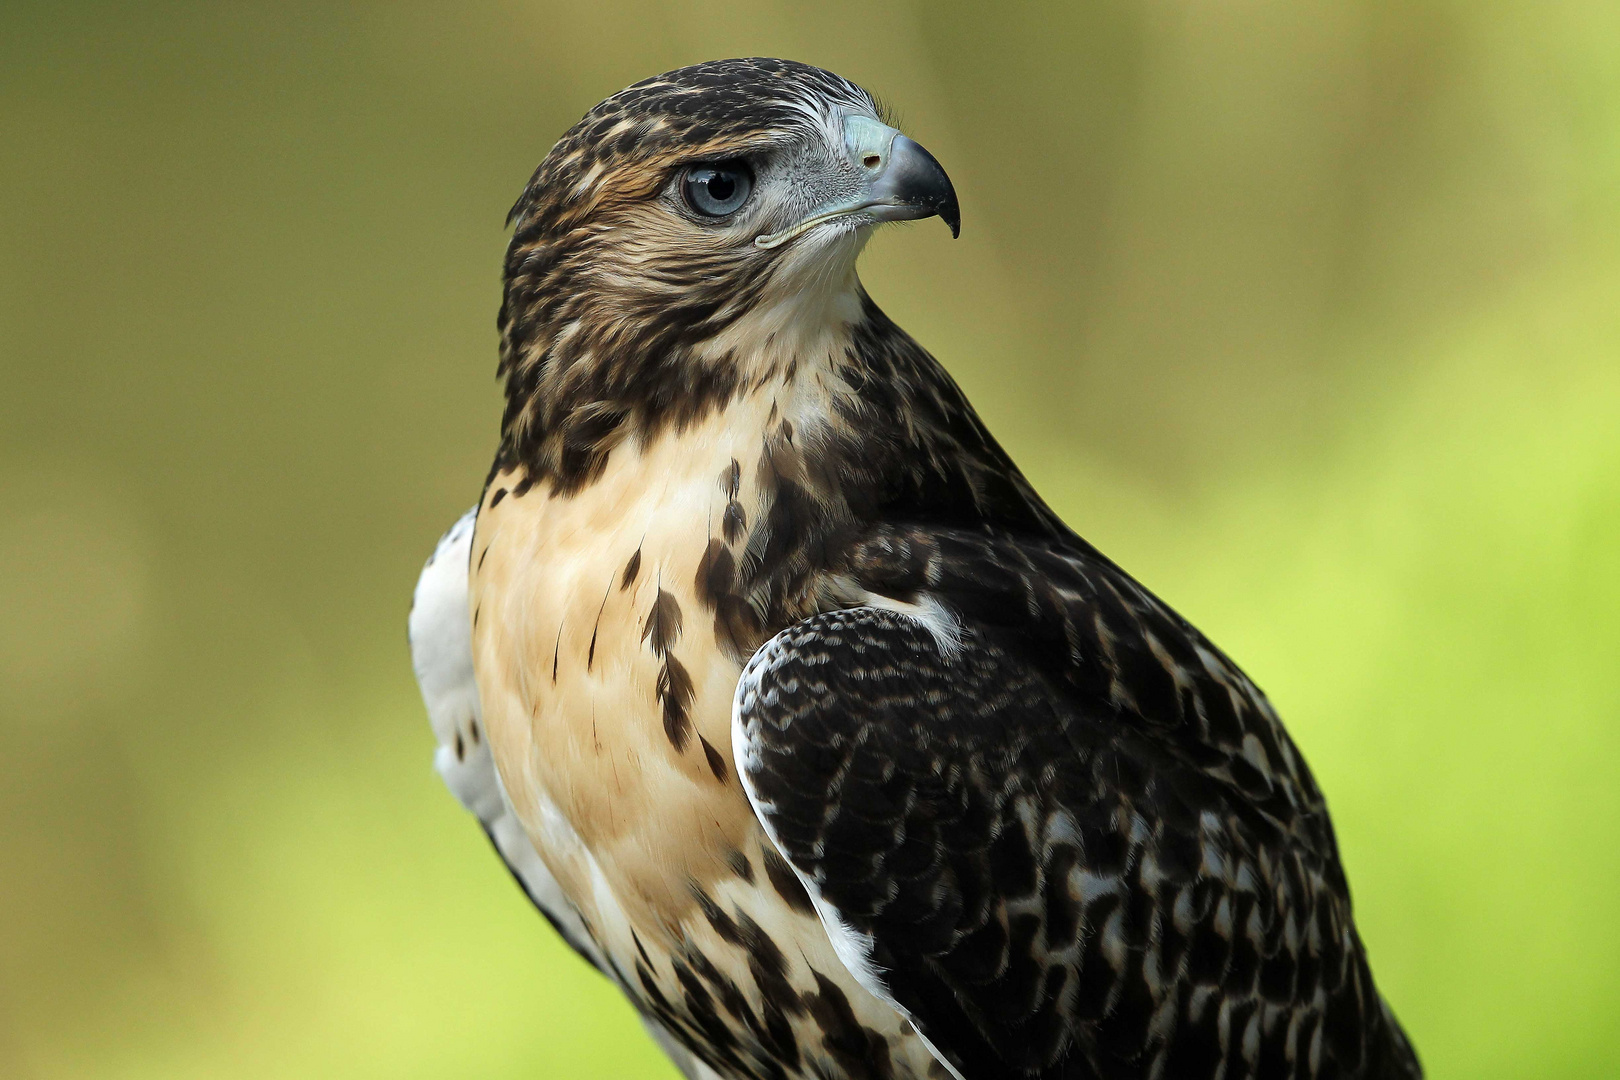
610 282
714 109
628 312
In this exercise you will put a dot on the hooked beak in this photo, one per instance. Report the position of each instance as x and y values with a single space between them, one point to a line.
903 183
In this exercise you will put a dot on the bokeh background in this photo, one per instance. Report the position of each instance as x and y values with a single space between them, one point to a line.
1306 311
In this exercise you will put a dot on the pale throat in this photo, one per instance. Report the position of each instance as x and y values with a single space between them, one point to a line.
803 323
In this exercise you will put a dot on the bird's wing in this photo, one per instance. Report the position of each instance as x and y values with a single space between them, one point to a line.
441 652
1063 834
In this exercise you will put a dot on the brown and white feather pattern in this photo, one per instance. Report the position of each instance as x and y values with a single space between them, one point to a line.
441 654
982 806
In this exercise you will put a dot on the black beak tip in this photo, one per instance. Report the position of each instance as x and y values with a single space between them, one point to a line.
921 182
942 194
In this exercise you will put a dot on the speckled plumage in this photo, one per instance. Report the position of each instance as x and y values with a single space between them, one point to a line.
847 756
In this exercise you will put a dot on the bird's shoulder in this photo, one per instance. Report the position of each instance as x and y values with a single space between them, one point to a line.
1114 658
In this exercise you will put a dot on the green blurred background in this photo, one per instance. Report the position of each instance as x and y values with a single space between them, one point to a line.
1308 312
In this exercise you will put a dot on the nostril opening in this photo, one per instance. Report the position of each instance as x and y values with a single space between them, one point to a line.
871 161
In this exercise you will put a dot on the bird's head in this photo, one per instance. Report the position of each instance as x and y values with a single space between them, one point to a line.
690 232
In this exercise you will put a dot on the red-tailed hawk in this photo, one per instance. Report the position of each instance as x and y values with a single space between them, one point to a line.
795 708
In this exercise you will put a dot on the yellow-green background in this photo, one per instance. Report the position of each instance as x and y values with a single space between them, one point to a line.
1308 312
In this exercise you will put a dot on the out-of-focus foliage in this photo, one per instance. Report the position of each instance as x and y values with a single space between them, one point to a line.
1308 312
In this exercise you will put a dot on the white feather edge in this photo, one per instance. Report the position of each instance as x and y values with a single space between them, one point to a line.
440 634
853 948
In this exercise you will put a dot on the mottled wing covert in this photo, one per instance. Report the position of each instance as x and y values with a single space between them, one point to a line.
1049 878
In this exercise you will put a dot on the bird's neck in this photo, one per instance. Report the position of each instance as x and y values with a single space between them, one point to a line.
867 410
585 375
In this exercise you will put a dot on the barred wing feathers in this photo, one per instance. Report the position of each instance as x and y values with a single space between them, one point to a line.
1074 842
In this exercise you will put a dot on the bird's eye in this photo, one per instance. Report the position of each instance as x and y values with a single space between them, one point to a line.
718 188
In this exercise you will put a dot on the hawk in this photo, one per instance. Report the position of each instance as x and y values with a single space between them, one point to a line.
795 708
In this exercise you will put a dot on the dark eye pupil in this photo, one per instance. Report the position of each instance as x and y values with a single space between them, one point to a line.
722 186
719 189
